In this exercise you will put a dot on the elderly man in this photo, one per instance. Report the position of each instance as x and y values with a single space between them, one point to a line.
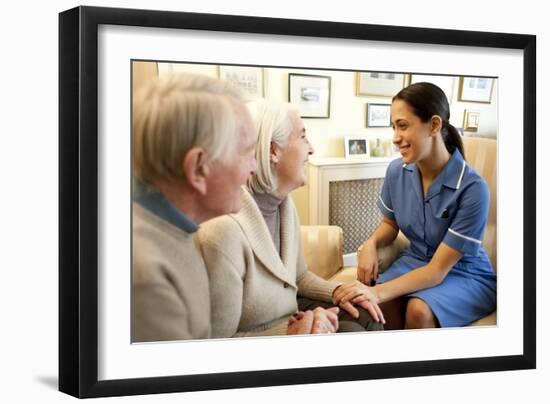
193 149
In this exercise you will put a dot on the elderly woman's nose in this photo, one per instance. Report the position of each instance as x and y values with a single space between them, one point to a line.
311 150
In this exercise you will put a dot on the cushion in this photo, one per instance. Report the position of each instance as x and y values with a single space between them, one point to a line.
323 249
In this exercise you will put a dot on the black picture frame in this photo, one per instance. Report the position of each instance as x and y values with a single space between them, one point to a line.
373 121
78 200
297 97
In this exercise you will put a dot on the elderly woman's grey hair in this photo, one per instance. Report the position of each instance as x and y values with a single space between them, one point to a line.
177 112
273 123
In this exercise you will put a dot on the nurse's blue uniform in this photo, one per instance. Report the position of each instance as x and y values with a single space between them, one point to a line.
454 212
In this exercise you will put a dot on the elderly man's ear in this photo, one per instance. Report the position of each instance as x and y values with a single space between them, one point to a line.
196 169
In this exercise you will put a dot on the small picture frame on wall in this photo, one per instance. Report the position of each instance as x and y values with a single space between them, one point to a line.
378 115
250 80
381 84
476 89
310 94
471 120
356 147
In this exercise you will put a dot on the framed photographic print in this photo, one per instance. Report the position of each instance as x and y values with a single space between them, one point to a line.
311 94
475 89
378 115
250 80
471 120
356 147
381 84
446 83
98 48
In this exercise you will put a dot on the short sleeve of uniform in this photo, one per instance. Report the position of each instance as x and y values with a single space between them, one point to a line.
384 199
465 233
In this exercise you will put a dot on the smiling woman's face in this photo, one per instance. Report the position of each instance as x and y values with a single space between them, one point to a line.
411 135
291 160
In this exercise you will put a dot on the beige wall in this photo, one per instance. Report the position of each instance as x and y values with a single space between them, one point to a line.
347 110
142 72
347 114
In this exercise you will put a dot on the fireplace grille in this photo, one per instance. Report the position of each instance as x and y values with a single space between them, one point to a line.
352 206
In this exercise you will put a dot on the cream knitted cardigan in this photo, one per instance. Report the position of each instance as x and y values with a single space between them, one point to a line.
253 290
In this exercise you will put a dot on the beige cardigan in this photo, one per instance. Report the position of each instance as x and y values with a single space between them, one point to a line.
170 299
253 290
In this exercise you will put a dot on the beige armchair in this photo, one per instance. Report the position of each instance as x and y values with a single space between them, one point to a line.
323 245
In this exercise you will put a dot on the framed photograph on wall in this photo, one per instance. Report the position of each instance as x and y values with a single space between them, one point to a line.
380 84
378 115
250 80
475 89
356 147
471 120
311 94
97 47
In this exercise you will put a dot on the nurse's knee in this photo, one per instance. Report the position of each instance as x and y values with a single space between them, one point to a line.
419 314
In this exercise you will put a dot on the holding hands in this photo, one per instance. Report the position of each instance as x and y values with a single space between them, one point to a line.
356 293
317 321
349 292
347 296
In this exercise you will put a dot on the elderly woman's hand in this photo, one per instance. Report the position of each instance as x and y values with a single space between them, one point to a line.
358 300
301 323
318 321
325 320
348 291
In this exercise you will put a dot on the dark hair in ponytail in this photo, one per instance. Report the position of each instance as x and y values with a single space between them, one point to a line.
427 100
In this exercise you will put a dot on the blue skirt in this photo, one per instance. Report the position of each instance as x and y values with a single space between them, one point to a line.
467 293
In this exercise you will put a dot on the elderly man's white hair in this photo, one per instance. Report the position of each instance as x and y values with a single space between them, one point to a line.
273 123
178 112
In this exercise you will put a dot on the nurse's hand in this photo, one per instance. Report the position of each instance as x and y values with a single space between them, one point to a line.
349 291
372 309
361 301
367 263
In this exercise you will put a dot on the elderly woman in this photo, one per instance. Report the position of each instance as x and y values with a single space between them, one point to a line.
254 259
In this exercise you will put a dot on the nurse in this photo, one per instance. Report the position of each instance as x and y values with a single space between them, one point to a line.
444 278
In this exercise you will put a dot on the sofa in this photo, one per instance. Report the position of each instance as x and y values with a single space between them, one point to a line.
323 245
